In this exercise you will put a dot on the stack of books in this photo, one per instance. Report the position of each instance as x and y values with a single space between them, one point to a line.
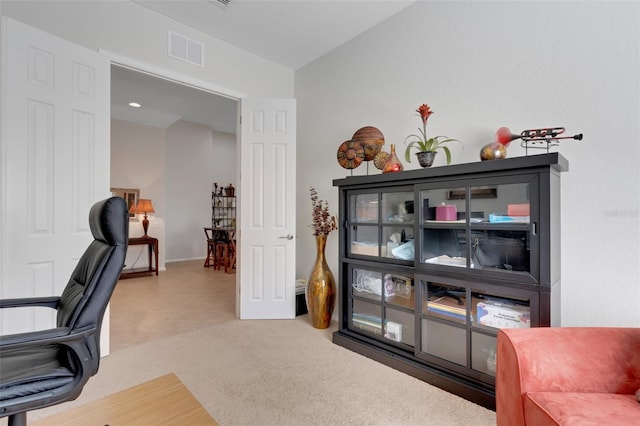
499 218
448 307
370 323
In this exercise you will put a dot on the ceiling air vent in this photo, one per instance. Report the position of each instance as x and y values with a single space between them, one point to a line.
186 49
222 3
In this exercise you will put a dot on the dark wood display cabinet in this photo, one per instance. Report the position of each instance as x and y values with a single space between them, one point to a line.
434 262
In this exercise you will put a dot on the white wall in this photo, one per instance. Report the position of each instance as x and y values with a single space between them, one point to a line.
135 32
175 167
138 161
480 65
483 65
196 158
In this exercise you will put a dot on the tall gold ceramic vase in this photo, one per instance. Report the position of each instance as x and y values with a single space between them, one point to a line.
321 288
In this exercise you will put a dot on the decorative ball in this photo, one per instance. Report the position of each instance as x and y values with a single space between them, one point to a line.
350 154
493 151
380 159
371 139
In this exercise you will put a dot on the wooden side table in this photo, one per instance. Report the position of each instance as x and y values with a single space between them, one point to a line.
153 248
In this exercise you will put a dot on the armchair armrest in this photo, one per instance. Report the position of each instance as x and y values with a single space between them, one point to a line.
569 359
48 302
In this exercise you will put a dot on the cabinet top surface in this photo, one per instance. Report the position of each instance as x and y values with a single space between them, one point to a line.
554 161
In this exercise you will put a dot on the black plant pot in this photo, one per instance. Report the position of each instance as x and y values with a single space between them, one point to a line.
426 158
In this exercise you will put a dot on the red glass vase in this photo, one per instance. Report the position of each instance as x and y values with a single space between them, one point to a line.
393 163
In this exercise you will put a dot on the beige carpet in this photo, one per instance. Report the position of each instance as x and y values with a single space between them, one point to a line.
277 372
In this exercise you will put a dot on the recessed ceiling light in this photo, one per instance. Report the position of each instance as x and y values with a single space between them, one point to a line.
134 105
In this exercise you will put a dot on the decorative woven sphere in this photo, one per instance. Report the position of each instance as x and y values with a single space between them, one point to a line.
380 159
371 139
350 154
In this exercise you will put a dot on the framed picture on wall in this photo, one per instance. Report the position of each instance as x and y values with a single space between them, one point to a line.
130 195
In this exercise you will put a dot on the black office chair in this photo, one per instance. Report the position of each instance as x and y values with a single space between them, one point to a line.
43 368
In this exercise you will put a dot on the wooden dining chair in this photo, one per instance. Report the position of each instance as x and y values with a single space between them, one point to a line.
210 260
225 252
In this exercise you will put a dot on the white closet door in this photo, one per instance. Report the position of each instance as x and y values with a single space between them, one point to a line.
267 245
55 163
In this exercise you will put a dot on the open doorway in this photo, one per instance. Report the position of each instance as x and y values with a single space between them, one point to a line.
267 194
171 149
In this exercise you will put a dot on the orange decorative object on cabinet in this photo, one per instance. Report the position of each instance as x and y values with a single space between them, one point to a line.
393 163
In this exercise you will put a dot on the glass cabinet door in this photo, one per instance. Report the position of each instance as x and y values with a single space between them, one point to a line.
443 227
399 296
443 322
381 224
363 208
489 228
501 234
491 311
364 235
382 304
459 323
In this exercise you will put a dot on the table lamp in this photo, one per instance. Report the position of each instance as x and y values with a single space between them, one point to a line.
144 206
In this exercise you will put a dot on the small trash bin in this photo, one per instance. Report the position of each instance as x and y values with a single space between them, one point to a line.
301 302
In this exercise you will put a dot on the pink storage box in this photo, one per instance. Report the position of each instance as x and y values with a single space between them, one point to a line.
446 212
518 209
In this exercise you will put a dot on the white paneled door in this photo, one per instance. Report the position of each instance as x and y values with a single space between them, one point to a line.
55 163
267 244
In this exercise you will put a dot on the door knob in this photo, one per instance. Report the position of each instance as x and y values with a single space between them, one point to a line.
288 237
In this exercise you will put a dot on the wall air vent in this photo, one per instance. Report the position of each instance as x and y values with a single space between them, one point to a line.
186 49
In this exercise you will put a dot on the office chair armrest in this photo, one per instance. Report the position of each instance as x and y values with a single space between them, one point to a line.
59 335
24 302
39 337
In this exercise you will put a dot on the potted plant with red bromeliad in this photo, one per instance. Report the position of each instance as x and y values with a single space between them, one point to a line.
427 147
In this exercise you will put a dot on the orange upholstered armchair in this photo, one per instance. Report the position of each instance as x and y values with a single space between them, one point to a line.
568 376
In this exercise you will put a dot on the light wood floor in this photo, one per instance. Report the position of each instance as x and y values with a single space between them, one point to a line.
162 401
185 297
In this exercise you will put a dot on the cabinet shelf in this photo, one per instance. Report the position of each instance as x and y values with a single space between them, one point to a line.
223 211
446 223
500 226
458 281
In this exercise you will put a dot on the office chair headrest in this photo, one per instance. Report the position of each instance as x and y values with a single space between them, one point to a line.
107 219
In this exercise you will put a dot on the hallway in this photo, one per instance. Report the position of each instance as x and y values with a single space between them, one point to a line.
185 297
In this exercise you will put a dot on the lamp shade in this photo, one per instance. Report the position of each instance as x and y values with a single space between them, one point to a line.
144 206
